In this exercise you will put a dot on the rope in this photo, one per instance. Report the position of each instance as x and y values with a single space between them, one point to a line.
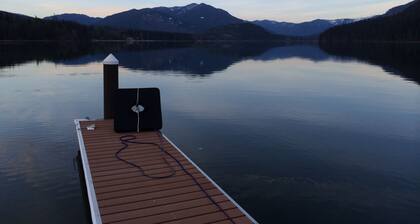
130 139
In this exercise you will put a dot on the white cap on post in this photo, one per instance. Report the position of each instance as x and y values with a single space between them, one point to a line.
110 60
110 65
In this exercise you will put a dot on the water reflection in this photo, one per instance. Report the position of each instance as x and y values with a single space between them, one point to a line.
208 58
398 59
188 58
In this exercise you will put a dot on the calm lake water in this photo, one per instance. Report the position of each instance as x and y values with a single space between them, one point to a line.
295 133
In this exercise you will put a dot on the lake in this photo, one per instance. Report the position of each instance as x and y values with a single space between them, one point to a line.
294 133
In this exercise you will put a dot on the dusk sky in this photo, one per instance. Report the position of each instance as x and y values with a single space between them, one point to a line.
281 10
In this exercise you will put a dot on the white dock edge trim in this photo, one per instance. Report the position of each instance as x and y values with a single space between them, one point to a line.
93 203
212 181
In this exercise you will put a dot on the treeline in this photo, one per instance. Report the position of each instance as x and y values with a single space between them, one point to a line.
404 26
20 27
239 31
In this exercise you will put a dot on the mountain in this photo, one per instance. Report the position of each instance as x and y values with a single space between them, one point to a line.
200 17
203 21
77 18
401 24
144 19
398 9
20 27
311 28
192 18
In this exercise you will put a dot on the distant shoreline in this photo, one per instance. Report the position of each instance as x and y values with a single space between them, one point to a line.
213 41
166 41
369 42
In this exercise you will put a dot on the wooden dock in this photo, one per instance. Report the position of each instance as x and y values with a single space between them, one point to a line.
120 193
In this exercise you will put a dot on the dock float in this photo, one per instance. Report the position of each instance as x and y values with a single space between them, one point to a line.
119 193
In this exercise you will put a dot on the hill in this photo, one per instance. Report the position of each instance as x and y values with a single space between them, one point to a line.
20 27
73 17
398 9
198 18
192 18
311 28
399 24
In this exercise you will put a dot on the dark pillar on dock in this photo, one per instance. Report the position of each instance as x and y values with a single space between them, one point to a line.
110 85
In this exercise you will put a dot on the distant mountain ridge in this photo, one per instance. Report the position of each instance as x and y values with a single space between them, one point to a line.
203 21
74 17
20 27
311 28
401 23
192 18
318 26
200 17
398 9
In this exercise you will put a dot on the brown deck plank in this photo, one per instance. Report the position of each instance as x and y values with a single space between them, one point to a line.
151 189
136 177
157 210
181 216
124 195
161 201
155 170
207 217
133 170
143 184
241 220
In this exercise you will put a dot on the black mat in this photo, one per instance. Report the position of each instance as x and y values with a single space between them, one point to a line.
126 119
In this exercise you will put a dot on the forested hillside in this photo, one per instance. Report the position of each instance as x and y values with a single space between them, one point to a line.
20 27
399 26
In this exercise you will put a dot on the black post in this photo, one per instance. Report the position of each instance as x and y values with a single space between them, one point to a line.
110 85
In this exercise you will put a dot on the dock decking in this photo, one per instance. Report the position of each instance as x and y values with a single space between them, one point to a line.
119 193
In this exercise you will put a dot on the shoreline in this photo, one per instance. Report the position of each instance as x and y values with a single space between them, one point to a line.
212 41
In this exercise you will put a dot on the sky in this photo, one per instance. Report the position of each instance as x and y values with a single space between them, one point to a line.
280 10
